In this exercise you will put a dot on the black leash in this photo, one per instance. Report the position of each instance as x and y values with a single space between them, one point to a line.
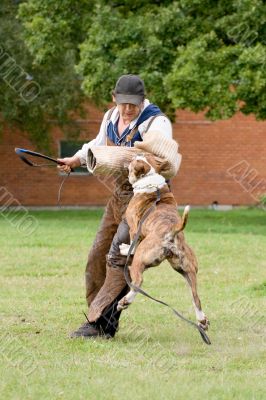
22 154
133 245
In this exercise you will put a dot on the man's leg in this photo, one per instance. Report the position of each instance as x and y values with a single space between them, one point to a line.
103 310
96 265
103 315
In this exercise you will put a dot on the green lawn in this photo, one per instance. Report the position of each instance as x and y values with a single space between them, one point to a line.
154 355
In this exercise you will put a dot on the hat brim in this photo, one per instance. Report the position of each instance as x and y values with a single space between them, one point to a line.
129 99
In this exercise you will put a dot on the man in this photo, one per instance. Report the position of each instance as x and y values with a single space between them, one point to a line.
124 124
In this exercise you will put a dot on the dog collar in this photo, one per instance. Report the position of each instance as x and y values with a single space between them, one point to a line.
148 184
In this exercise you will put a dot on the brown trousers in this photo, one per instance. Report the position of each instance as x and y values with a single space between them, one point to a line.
104 274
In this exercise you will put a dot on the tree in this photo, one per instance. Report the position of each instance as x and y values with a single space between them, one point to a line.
202 55
198 54
31 93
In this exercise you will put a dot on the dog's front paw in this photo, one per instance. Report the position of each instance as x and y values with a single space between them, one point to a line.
122 304
204 324
126 300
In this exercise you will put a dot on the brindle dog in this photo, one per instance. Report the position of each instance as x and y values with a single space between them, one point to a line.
161 233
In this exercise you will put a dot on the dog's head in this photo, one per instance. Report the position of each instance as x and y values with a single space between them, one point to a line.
143 165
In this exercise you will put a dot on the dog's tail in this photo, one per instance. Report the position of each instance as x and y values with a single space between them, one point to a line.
181 225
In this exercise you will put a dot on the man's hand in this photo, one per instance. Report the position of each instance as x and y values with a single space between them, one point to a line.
68 164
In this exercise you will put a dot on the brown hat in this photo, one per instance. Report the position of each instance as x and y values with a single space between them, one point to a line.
129 89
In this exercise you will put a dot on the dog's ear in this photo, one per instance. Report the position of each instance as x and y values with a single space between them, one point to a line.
159 164
163 166
141 168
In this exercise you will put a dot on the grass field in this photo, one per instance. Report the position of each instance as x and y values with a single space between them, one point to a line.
154 355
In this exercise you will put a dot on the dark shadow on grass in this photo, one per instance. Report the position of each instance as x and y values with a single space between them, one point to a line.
250 221
259 290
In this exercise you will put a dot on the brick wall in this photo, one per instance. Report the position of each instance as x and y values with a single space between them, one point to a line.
223 161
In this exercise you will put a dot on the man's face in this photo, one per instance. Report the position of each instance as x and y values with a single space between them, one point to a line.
129 111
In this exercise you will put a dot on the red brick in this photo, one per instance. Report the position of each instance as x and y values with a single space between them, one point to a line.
209 149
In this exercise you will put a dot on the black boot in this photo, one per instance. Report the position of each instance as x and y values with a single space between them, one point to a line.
106 325
109 320
87 330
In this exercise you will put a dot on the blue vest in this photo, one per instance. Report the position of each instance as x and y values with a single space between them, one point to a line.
112 131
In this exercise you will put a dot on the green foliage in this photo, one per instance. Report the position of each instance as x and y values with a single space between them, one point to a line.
52 28
200 54
224 68
58 83
196 54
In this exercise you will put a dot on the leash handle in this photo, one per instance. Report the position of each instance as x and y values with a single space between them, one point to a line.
21 153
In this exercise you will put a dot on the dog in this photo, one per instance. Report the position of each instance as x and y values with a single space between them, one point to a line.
162 236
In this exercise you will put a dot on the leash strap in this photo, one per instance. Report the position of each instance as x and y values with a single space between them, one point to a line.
133 245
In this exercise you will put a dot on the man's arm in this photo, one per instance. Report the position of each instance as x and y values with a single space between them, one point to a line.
158 141
160 124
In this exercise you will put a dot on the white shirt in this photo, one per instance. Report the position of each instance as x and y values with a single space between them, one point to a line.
160 123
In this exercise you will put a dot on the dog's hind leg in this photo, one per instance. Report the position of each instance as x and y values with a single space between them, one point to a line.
190 274
200 315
